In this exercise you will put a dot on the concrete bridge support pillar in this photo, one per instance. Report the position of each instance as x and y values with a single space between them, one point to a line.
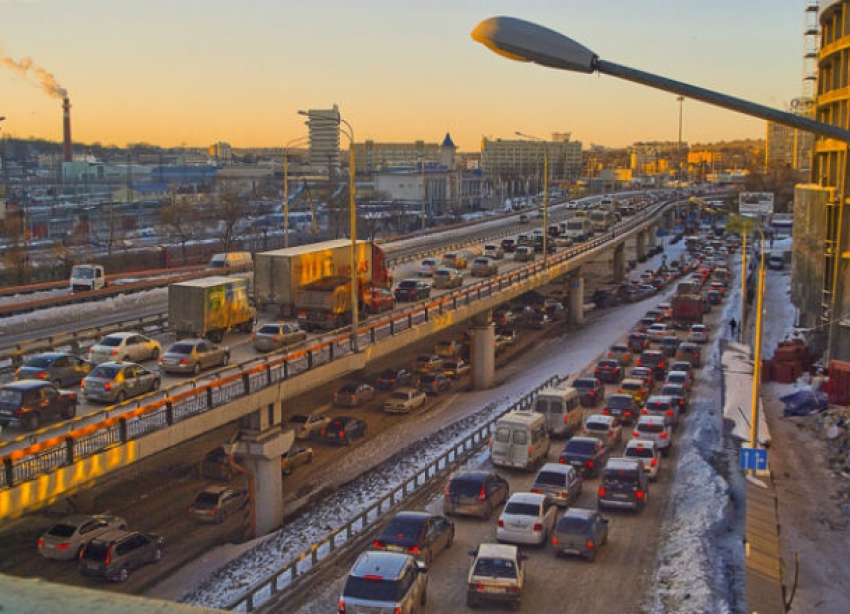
619 262
640 246
260 446
483 351
576 306
650 235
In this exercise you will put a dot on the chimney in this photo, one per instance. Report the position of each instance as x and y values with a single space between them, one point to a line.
66 144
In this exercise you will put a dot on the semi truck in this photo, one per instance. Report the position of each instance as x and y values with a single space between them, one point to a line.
281 275
210 307
687 305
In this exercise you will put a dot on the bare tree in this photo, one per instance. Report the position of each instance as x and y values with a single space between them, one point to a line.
228 209
17 256
180 217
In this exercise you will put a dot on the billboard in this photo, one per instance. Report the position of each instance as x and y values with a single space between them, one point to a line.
755 204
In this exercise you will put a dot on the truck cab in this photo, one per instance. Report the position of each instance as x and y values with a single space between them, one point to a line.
87 277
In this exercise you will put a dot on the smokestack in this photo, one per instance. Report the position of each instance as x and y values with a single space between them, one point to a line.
66 143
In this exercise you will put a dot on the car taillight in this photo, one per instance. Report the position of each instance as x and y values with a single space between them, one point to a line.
639 494
538 527
64 546
42 375
40 542
107 386
275 338
342 434
661 365
536 491
681 401
481 495
601 491
183 361
590 543
592 393
501 522
605 411
663 435
627 414
590 463
610 355
562 461
253 337
378 544
108 558
114 353
619 391
645 411
635 434
654 462
640 363
555 541
669 412
610 433
413 549
341 607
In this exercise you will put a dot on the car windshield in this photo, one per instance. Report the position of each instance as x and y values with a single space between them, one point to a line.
465 487
428 377
550 478
180 348
596 426
110 342
638 452
299 419
517 508
348 389
401 529
650 427
11 397
677 378
62 530
584 384
495 568
39 362
372 588
580 446
630 385
620 401
207 498
573 526
106 371
95 551
400 396
270 329
407 284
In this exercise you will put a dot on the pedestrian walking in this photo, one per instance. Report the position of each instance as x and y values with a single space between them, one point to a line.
732 326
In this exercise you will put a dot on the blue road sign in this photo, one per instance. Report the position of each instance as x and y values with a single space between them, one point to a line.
753 459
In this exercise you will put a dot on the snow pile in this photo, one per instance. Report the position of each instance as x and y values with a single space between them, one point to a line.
14 299
273 552
81 313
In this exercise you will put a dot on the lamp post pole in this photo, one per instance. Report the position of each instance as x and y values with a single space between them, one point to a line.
754 424
681 99
743 317
286 188
545 191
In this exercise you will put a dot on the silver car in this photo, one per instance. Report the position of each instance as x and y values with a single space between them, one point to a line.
61 368
277 335
385 582
484 267
64 540
192 356
125 347
560 483
114 382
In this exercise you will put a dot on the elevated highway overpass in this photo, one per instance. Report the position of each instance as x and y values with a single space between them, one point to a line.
66 458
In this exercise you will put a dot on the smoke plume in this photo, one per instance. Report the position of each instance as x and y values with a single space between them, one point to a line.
32 72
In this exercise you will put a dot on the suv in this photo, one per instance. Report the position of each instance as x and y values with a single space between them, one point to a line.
655 360
384 581
690 352
638 342
656 428
560 483
475 493
216 503
622 406
608 371
30 401
669 345
620 353
666 407
277 335
581 532
645 451
590 389
698 333
624 484
114 554
497 574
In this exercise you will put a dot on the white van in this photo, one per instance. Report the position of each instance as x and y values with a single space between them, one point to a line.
86 277
578 229
561 407
225 260
520 440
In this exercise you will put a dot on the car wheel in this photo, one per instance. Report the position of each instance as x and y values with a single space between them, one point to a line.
155 354
122 396
56 382
488 511
471 601
125 359
123 574
196 368
225 359
70 411
155 385
31 421
451 539
309 458
515 605
590 556
221 517
157 555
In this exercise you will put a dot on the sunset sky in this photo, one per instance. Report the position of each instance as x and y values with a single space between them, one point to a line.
195 72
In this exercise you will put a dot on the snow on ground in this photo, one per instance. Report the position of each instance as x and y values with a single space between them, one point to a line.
217 578
14 299
701 559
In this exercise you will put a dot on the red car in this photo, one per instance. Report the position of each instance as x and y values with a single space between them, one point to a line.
378 300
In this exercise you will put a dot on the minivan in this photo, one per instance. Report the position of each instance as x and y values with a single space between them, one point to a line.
520 439
383 581
624 484
225 260
561 406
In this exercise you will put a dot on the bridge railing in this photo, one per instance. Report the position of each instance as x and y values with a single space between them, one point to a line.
66 443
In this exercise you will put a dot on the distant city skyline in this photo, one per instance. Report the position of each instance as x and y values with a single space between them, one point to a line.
193 73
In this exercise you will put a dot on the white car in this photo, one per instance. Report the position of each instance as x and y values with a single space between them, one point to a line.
494 251
657 331
682 378
528 518
605 428
427 267
657 429
404 400
698 333
497 574
125 347
646 452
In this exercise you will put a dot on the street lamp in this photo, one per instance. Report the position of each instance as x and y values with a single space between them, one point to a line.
528 42
355 287
299 141
545 190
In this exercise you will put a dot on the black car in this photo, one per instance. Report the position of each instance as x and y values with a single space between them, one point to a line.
476 493
509 245
586 454
418 533
624 484
388 379
622 406
638 342
655 360
590 390
343 429
608 371
29 402
412 290
668 345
